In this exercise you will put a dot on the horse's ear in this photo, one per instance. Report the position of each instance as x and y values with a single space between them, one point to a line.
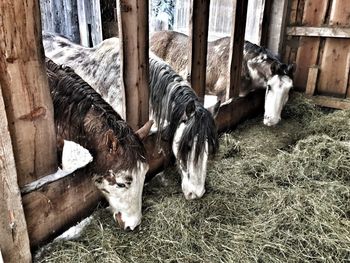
190 108
111 141
144 130
275 67
291 69
214 110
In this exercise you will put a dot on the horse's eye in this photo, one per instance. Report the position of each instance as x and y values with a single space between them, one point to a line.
121 185
268 88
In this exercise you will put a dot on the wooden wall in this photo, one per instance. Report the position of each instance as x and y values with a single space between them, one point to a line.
318 36
78 20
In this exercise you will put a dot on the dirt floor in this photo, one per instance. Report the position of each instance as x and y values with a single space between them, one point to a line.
274 194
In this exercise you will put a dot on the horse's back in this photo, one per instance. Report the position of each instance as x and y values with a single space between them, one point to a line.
172 47
98 66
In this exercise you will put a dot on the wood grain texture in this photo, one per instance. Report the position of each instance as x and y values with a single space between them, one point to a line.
313 15
54 207
330 102
311 81
198 43
319 32
133 30
25 89
236 50
14 242
333 77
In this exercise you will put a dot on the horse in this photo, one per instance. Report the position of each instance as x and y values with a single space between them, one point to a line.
119 158
179 116
260 69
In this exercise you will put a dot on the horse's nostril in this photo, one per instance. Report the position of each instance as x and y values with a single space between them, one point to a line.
190 196
118 218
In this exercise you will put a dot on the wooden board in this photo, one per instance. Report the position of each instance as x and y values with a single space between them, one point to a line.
133 30
330 102
311 81
25 89
239 109
314 15
55 207
339 32
14 242
198 43
289 51
61 16
333 78
236 50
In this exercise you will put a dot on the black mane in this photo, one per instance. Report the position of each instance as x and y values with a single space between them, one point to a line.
73 99
169 96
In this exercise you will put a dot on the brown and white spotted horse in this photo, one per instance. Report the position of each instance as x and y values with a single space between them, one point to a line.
260 69
174 106
119 157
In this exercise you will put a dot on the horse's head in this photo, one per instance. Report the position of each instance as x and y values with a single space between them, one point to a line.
277 92
195 138
126 167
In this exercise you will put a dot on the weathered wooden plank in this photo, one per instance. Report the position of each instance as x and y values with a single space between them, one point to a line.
333 77
52 208
198 42
238 109
277 26
314 15
289 51
60 16
331 102
133 30
264 32
83 24
14 243
311 81
347 76
25 89
96 22
255 18
236 50
109 19
319 31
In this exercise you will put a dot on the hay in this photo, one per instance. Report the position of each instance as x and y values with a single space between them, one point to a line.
335 125
273 195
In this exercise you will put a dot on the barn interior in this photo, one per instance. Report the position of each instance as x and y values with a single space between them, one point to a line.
274 194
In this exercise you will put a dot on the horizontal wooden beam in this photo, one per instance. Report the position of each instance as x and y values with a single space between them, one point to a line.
55 207
319 31
331 102
239 109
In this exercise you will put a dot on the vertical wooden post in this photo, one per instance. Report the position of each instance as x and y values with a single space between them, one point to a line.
265 23
14 243
237 45
198 43
25 89
133 31
83 24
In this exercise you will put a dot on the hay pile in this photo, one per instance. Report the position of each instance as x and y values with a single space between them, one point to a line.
273 195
